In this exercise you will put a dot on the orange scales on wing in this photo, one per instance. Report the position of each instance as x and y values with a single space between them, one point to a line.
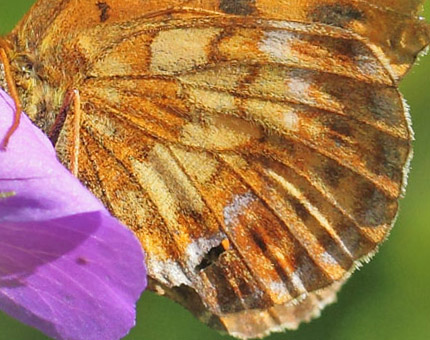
258 149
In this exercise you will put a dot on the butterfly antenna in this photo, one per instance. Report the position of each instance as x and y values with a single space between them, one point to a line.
13 93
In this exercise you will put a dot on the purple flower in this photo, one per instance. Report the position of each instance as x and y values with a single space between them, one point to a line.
67 267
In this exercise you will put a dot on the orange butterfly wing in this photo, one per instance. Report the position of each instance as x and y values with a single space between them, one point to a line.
392 26
257 150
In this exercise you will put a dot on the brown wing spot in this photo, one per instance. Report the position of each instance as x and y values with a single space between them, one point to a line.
383 104
336 14
237 7
373 207
300 210
340 126
389 157
104 11
333 174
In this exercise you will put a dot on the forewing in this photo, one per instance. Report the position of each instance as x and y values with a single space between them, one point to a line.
391 26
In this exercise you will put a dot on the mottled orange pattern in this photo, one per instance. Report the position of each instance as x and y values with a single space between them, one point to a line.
257 148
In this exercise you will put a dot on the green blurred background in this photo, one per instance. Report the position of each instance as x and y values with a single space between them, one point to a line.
389 298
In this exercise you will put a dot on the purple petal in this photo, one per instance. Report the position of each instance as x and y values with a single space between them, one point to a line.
66 266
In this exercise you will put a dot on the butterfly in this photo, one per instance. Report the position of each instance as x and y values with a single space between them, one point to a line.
257 149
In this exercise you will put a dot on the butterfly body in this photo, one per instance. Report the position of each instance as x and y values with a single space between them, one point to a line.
257 150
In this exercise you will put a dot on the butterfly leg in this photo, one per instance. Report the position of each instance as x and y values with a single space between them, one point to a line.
13 92
76 132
